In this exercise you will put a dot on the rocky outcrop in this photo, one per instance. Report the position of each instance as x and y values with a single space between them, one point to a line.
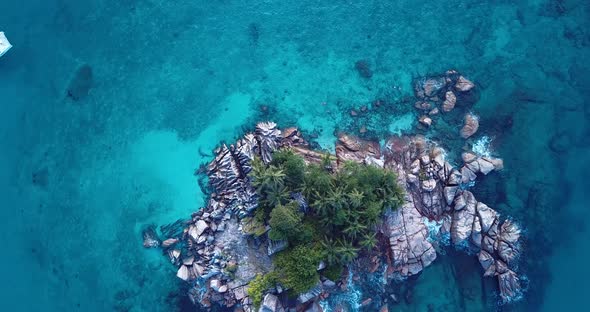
351 148
217 251
435 190
440 91
222 248
474 164
150 237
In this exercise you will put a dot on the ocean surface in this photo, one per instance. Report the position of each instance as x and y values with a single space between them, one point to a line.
109 107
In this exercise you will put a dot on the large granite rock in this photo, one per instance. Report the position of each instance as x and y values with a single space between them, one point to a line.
408 240
270 304
462 221
434 191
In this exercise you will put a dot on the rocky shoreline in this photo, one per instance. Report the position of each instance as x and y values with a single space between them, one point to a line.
217 253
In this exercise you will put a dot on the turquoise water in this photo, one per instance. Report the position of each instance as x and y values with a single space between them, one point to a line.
82 174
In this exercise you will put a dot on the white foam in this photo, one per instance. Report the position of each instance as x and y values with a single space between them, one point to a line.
433 228
481 147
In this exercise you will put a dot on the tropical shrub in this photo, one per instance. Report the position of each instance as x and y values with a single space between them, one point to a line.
297 268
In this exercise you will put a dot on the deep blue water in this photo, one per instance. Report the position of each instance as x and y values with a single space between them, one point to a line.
82 173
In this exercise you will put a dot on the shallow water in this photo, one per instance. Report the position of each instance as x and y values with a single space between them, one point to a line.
81 176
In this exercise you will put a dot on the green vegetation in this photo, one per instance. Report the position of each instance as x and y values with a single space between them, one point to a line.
344 207
259 285
333 272
298 267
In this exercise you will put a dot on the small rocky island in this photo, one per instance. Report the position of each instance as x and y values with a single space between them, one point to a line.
287 226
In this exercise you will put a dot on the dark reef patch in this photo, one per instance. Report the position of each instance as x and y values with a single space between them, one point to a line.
81 83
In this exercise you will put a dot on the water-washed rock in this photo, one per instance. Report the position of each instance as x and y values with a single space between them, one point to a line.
269 138
276 246
169 242
467 175
425 120
468 157
486 215
310 294
485 166
150 238
463 219
183 273
411 250
470 125
486 260
510 287
428 185
463 84
449 102
450 192
459 202
429 87
423 105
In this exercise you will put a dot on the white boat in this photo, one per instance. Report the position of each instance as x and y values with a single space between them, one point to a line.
4 44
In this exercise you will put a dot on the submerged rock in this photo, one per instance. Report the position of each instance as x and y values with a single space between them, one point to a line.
510 287
150 237
81 83
363 68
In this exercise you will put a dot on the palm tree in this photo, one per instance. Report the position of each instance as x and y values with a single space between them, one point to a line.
368 241
355 198
274 176
321 205
276 194
330 250
354 229
346 251
257 172
264 177
336 198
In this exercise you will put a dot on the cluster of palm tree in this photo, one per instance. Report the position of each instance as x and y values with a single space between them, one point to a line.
345 204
